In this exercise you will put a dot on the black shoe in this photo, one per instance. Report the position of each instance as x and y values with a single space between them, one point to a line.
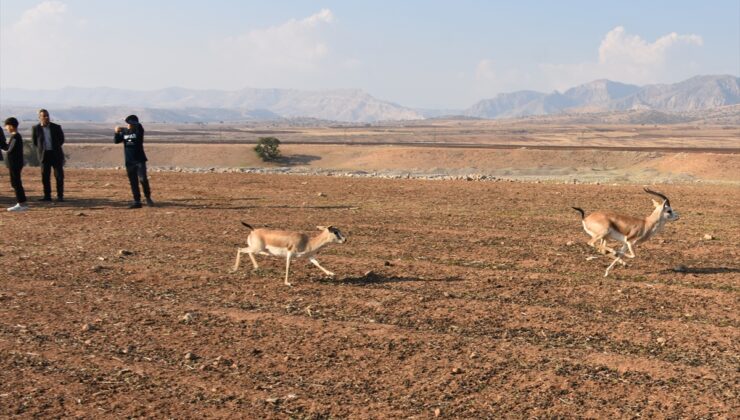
44 199
135 205
60 199
149 202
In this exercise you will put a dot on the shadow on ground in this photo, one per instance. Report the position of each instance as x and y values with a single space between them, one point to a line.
374 278
704 270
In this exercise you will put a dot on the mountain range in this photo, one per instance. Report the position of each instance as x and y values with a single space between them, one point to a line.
351 105
695 94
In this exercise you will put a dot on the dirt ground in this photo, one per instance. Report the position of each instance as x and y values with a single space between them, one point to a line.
451 299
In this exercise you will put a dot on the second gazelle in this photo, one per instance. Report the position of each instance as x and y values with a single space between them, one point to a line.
628 230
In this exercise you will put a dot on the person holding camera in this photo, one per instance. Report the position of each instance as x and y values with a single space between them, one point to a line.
132 138
48 139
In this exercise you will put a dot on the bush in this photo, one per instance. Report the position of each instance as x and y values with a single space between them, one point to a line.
30 155
268 148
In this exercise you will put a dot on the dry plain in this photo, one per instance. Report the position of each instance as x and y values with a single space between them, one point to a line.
452 298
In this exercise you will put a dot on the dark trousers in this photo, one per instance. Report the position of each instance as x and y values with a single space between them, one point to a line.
49 163
137 173
17 184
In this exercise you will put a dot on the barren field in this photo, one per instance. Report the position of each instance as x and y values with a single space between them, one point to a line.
452 299
526 149
558 165
526 132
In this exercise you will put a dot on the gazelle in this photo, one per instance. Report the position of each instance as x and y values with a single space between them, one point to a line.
626 229
289 245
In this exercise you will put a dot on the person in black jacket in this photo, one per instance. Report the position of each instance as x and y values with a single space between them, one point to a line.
133 149
48 139
15 163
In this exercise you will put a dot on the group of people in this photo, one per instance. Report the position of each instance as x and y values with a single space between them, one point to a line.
48 139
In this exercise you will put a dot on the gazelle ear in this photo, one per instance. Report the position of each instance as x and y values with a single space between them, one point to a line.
656 204
321 227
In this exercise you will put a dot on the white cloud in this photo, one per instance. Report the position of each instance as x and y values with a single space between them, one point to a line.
43 13
628 58
620 48
484 71
35 46
292 45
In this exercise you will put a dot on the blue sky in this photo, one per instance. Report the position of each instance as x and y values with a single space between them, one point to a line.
434 54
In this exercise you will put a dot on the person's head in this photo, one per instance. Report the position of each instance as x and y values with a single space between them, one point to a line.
44 117
11 124
132 120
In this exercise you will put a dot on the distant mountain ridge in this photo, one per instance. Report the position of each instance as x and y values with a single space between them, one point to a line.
339 105
351 105
695 94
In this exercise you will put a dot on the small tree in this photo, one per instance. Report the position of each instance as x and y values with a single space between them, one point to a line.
30 154
268 148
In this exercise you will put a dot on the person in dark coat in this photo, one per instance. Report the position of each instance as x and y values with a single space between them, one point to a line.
3 143
132 138
14 161
48 139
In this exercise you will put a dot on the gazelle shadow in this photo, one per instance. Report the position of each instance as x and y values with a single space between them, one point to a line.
704 270
375 278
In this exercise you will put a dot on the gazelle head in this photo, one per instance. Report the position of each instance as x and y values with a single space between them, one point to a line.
667 212
334 234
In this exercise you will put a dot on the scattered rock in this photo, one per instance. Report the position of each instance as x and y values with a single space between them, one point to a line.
190 356
87 327
187 318
661 341
570 243
437 412
708 237
98 268
457 371
125 252
387 264
290 397
321 194
272 400
79 213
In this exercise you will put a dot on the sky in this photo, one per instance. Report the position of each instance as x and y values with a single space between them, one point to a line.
425 54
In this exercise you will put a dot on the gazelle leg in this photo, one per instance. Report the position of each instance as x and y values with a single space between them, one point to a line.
631 250
616 260
239 252
254 261
287 269
316 263
602 248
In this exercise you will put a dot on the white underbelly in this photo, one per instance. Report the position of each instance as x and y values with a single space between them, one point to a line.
276 251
